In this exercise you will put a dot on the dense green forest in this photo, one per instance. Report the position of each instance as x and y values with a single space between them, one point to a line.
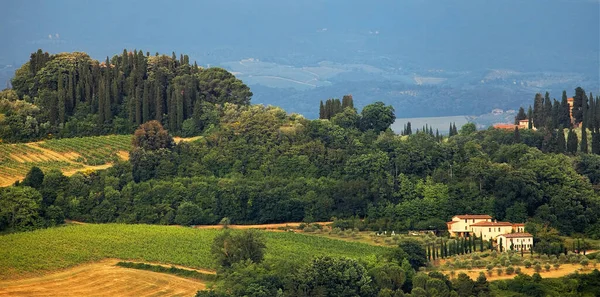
70 94
261 165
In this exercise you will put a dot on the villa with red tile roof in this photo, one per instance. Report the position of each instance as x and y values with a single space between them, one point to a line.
483 226
516 241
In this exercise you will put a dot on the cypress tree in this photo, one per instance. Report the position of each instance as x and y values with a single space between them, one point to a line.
61 99
572 142
538 111
347 101
584 142
70 98
579 105
428 253
146 102
408 129
561 142
138 105
595 142
530 118
480 243
564 116
591 114
180 116
547 111
321 110
520 115
517 135
101 96
555 114
107 96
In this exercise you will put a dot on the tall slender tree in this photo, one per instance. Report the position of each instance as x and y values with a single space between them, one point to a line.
520 115
530 118
564 116
561 142
538 111
572 142
584 142
579 105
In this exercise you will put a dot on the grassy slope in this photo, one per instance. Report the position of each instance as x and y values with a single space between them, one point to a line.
56 248
67 155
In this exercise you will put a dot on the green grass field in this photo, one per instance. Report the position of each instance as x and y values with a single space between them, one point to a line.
56 248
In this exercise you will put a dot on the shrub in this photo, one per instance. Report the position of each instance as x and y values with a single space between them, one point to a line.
510 270
490 272
489 266
537 268
518 270
499 270
562 258
585 262
547 267
556 266
527 263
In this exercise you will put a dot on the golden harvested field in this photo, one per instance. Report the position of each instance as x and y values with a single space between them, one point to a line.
563 270
102 279
69 155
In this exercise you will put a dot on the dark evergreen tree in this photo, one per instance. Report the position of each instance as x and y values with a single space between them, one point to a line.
347 101
564 116
538 111
547 111
517 135
555 114
62 94
561 142
595 142
530 118
520 115
579 105
584 143
572 142
322 114
146 102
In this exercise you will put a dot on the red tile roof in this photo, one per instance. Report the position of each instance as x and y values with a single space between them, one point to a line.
468 216
504 126
515 235
451 222
492 224
519 224
570 99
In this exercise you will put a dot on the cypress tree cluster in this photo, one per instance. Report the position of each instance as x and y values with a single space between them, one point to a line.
553 116
331 107
121 92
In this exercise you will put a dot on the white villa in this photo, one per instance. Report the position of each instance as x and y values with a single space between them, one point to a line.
483 226
516 241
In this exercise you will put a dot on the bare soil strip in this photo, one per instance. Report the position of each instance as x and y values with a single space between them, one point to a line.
102 279
563 270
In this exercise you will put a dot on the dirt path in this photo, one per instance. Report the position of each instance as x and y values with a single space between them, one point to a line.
102 279
564 269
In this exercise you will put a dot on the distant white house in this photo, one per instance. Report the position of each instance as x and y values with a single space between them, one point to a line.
515 241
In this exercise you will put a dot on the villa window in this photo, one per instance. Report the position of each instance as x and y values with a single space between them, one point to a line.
490 229
465 227
473 220
465 221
